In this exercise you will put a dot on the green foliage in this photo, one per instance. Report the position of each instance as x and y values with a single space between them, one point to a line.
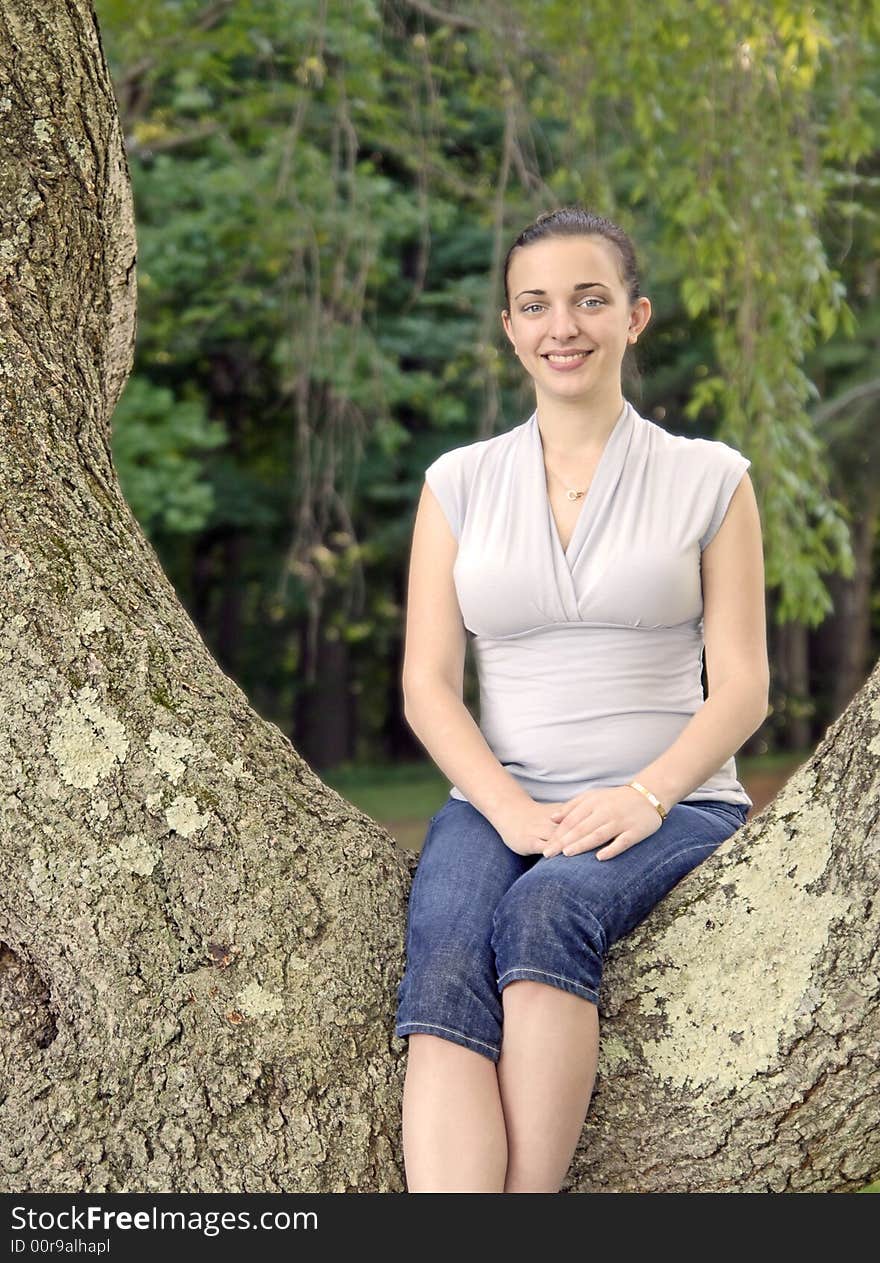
730 119
324 194
156 441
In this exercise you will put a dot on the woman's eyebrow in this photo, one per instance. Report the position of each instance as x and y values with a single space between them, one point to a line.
580 285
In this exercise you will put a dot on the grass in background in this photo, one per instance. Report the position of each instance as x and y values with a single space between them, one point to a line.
402 797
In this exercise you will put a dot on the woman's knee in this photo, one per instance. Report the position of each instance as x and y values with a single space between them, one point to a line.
446 1047
543 931
453 980
449 990
446 959
551 910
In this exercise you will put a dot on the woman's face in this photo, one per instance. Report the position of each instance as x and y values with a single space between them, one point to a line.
566 296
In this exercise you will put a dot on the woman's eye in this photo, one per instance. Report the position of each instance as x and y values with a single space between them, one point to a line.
591 299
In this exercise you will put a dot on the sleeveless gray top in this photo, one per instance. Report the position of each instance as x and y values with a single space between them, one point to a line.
589 659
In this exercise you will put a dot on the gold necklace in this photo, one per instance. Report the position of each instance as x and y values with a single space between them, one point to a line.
570 492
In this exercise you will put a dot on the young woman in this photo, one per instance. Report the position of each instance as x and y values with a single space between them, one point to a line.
589 555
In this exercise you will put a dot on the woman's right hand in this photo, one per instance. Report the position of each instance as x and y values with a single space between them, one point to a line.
526 828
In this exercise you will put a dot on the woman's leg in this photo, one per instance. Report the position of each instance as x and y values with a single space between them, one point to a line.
546 1074
454 1137
449 1007
551 931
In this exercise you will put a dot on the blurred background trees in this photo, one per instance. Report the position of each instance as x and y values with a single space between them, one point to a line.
324 194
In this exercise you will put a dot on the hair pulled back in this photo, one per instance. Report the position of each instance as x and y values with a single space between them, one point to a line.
575 220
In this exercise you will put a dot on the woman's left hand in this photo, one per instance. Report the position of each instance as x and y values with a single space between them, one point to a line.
620 816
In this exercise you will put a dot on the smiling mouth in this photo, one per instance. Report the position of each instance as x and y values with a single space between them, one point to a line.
562 356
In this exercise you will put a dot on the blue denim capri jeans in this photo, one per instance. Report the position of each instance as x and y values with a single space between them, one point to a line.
481 916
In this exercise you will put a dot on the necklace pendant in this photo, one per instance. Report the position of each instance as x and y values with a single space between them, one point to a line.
574 495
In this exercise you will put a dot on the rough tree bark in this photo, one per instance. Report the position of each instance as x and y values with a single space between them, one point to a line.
201 941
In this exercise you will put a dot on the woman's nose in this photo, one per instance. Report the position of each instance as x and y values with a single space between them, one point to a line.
563 323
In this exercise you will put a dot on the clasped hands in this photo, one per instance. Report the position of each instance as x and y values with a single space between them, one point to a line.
618 816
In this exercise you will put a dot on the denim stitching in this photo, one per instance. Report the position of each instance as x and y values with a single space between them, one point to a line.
427 838
546 974
407 945
449 1030
701 846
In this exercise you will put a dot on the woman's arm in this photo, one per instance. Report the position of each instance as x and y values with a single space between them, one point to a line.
737 668
433 671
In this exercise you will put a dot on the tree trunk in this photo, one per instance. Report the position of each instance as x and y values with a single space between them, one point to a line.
202 942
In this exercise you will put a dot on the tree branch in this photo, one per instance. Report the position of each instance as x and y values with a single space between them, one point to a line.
458 20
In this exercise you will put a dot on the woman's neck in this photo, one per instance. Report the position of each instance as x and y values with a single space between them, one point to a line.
577 427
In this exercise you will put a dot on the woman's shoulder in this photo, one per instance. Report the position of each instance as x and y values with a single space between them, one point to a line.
704 473
468 456
692 453
453 474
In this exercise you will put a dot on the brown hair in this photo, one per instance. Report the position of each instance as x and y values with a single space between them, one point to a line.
572 221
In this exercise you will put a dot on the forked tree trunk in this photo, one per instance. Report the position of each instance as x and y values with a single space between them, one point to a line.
202 942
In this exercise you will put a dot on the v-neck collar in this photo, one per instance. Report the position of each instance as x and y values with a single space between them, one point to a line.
598 495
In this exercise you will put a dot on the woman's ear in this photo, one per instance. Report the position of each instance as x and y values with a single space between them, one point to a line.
505 321
645 311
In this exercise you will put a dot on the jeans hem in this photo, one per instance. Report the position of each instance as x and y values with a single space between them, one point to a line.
554 980
446 1032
